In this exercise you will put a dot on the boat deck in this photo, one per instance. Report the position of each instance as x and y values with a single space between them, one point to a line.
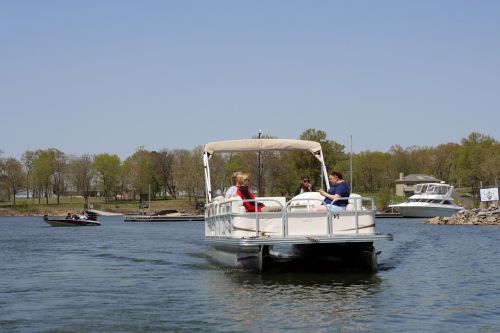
250 241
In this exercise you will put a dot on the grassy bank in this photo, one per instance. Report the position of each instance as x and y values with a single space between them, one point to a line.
28 207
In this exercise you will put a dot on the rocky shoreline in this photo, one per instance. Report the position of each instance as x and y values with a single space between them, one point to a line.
489 216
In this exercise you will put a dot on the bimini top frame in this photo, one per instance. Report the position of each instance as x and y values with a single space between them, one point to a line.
259 145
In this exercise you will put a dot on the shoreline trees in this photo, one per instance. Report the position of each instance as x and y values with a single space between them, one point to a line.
474 162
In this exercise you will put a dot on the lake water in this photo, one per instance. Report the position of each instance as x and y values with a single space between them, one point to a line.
154 277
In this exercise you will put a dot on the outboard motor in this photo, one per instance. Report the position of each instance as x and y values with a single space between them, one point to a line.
91 215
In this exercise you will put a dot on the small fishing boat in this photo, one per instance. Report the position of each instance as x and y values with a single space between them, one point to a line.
71 220
298 234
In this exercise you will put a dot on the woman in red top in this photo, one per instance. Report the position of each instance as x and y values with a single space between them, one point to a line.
243 182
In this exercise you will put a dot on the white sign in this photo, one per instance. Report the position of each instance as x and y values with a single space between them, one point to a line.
489 194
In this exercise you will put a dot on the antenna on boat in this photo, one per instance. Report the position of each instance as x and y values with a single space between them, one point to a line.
350 167
259 174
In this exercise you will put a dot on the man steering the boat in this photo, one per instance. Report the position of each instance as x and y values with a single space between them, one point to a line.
339 189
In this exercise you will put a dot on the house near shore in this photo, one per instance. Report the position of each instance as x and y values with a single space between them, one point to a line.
405 185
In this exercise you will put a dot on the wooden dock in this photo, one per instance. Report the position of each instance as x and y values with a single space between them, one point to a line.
163 218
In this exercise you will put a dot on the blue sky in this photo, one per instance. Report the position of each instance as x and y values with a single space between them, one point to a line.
110 76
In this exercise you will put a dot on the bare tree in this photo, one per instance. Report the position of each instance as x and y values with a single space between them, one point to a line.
59 171
28 159
43 167
14 176
188 172
163 162
81 174
138 168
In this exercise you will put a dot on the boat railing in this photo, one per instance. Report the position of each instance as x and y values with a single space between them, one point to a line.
223 210
355 204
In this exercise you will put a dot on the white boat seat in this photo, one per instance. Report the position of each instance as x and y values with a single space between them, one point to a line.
236 205
219 199
353 204
307 201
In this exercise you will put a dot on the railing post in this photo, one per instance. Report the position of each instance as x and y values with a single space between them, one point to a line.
284 219
356 213
257 221
229 215
329 221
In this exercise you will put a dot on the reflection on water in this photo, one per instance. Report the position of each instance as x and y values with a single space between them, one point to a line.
125 277
296 301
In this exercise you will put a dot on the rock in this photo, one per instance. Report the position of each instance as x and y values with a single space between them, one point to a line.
488 216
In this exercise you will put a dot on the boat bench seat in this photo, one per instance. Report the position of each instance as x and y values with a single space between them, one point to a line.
274 204
235 204
312 201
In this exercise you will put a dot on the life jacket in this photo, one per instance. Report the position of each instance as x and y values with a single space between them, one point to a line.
245 194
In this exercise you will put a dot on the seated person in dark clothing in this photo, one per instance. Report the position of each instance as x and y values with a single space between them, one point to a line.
305 185
339 189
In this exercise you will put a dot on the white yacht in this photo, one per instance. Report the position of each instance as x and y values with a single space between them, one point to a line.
295 234
429 200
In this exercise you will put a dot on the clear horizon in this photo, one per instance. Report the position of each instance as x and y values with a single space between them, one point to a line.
107 77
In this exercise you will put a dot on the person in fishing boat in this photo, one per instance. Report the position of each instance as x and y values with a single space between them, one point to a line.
339 189
305 185
231 191
243 191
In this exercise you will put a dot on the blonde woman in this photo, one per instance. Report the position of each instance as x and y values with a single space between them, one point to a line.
243 182
231 191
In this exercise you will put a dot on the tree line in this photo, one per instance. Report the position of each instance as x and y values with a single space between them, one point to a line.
473 163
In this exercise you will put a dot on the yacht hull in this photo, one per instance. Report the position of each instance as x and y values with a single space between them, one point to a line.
425 211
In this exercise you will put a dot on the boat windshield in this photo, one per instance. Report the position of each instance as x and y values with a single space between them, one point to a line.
443 189
431 189
437 189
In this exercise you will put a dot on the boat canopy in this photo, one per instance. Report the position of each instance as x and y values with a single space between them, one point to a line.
262 145
258 145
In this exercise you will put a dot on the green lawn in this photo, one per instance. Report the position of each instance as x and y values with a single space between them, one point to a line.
75 204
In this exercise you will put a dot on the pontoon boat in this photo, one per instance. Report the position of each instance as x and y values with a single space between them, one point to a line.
312 237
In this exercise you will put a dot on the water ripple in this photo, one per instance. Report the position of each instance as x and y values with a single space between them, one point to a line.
156 278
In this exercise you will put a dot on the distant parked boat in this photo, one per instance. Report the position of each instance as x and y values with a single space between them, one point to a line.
101 212
429 200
